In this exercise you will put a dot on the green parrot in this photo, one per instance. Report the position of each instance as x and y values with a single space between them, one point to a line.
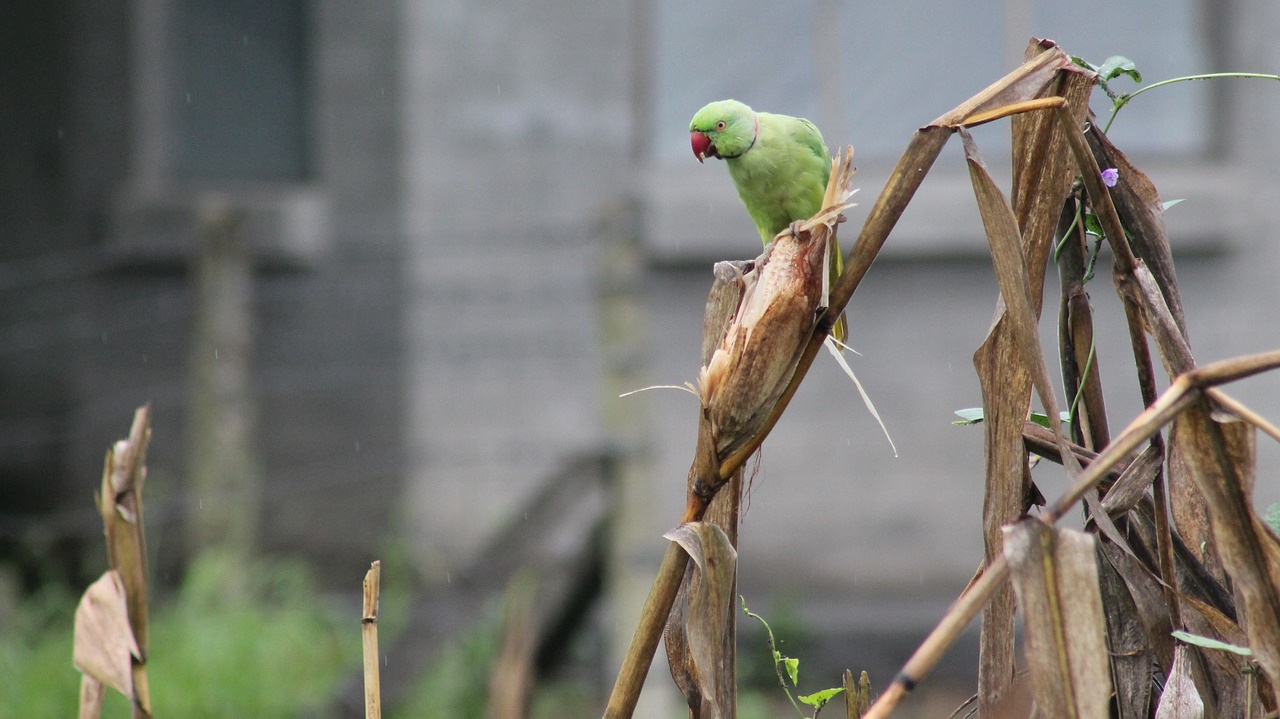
779 164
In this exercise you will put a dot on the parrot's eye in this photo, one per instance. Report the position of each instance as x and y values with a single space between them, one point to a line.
720 126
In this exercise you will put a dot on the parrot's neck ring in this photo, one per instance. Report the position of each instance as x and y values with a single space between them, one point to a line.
753 140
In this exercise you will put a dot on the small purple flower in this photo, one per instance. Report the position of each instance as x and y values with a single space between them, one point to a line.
1110 176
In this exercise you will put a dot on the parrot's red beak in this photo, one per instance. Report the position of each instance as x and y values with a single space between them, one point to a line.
702 146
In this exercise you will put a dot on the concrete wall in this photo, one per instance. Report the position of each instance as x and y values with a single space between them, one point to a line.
516 132
98 303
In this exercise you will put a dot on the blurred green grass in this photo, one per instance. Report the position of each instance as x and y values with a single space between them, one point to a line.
271 648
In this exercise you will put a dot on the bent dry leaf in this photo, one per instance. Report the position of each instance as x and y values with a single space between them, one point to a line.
1021 311
103 642
1180 698
707 634
832 346
120 505
1222 464
1006 362
1131 655
1138 204
1055 578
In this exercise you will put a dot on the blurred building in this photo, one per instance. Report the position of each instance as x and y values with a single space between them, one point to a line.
429 190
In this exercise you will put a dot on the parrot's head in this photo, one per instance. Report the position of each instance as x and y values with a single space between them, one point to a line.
724 129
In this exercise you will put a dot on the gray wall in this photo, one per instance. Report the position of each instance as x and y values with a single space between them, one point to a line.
97 296
516 129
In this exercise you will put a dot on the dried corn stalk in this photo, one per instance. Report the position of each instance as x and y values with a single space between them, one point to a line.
111 621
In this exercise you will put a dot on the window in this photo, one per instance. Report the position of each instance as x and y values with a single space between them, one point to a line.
870 73
900 64
237 94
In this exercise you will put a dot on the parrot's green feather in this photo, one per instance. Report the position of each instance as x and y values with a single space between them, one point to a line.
779 163
783 177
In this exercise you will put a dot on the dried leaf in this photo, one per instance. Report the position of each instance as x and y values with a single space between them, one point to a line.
722 512
1006 384
1142 213
1171 339
1180 699
1042 180
1131 653
104 643
1221 624
1220 456
1148 600
1132 484
1187 508
1005 363
1055 575
123 475
1021 311
92 693
710 606
1218 676
676 644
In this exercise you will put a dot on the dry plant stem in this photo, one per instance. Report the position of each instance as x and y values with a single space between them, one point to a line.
369 633
901 187
1185 391
949 628
1008 362
110 638
1026 82
1233 406
1015 289
1145 307
1039 103
1081 375
1098 195
657 607
126 541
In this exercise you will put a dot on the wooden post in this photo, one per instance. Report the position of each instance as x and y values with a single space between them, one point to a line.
224 475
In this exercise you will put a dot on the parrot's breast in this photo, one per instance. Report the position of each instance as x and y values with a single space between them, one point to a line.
778 186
